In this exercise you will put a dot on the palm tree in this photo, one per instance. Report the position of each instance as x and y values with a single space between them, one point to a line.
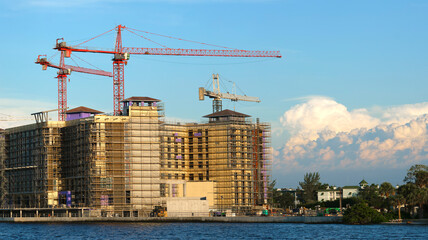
417 174
398 201
406 190
386 189
311 184
419 196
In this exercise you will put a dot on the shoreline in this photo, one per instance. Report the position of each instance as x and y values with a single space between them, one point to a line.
296 219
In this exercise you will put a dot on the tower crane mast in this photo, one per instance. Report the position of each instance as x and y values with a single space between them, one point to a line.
121 56
63 72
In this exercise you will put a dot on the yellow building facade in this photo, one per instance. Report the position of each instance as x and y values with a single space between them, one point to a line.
131 163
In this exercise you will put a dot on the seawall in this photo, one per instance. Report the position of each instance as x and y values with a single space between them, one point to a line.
297 219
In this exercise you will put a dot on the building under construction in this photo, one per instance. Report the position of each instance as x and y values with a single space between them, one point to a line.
132 163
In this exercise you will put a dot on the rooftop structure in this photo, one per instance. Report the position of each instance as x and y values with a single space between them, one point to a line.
80 112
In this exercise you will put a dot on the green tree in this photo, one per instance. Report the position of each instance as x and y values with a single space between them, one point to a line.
406 190
361 213
417 174
418 197
398 200
386 189
285 200
273 192
311 184
370 195
416 188
279 198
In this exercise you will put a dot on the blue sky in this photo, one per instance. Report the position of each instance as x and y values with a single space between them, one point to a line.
352 78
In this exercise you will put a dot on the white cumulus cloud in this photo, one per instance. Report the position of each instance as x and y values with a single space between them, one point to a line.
324 134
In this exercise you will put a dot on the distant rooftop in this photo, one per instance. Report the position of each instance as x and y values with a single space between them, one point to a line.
141 99
226 113
82 109
363 182
350 187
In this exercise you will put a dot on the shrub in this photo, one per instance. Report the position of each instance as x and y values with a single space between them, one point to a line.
360 213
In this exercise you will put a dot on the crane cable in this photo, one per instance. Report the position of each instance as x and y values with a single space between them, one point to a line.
146 38
94 37
181 39
88 63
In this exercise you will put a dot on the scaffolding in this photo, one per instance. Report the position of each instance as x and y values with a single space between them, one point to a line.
230 150
3 181
111 163
32 165
128 165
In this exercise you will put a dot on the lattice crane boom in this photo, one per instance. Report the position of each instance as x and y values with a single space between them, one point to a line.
173 51
217 95
69 68
63 72
121 56
232 97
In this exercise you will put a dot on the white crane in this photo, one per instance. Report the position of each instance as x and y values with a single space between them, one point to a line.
217 95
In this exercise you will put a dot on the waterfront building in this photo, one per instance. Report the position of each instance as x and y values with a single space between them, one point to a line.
228 150
129 164
112 162
2 168
31 166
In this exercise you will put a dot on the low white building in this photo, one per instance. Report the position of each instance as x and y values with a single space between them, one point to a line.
350 191
331 194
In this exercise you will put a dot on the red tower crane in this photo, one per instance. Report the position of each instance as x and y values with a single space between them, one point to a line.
121 56
64 71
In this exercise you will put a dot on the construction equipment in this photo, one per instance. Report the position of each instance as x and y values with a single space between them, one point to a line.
159 211
43 116
64 71
217 95
121 56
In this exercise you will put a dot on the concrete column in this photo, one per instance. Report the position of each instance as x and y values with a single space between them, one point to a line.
20 213
184 189
37 213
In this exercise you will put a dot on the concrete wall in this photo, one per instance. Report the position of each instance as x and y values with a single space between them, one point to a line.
308 220
187 207
201 189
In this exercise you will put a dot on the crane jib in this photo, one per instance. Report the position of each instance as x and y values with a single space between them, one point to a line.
180 52
120 58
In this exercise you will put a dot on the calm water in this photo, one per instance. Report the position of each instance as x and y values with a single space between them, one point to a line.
209 231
